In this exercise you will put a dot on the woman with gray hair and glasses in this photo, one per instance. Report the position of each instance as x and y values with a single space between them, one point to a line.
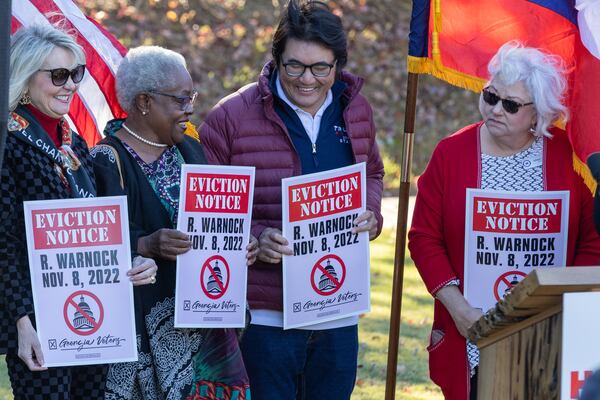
44 159
141 157
514 148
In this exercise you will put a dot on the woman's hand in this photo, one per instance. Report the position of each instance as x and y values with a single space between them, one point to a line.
272 246
463 314
143 271
366 222
465 318
164 243
252 250
30 349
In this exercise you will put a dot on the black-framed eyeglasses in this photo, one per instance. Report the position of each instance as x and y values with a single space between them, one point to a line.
60 76
183 101
296 69
511 106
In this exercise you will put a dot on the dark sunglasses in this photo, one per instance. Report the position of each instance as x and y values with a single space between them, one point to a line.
60 76
183 101
511 106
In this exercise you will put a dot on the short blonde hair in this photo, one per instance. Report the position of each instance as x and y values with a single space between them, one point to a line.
30 46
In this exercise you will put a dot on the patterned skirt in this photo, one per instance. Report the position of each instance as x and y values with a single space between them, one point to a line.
176 363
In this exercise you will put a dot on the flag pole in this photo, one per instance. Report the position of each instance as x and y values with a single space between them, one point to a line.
5 24
401 225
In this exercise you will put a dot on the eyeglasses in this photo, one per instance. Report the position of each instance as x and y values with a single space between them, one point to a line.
60 76
296 69
511 106
183 101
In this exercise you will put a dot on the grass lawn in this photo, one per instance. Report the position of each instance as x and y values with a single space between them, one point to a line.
5 392
417 314
417 308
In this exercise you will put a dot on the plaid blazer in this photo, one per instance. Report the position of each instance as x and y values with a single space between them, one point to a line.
27 174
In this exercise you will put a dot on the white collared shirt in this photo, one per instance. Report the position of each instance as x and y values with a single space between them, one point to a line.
311 124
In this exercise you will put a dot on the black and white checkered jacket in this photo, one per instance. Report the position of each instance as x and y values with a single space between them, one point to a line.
27 174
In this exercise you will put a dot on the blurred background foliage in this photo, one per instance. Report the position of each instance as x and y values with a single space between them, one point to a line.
226 43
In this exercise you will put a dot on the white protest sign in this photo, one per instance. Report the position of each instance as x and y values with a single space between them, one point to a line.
328 276
580 353
79 255
215 210
506 235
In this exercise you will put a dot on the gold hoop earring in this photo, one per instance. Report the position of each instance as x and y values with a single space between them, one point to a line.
25 99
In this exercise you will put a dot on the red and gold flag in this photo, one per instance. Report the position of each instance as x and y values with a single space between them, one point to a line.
455 39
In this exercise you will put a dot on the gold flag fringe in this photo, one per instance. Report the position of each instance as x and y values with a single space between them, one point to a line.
423 65
191 131
583 170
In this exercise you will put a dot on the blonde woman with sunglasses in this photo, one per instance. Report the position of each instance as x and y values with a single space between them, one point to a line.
514 148
44 160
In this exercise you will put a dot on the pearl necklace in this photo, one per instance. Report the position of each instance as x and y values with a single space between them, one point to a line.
141 139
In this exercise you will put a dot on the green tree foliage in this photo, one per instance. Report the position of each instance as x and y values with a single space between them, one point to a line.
226 43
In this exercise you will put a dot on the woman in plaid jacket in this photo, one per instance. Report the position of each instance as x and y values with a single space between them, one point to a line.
43 160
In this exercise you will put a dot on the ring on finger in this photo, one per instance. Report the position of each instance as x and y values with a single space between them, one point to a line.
153 279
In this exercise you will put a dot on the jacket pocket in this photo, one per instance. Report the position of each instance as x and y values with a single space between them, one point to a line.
439 364
437 335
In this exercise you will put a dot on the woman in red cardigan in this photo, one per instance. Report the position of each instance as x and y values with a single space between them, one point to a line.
514 148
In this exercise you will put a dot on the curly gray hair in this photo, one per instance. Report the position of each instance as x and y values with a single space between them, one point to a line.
543 77
144 69
30 46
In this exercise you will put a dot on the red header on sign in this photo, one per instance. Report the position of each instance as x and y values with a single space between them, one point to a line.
516 215
577 383
326 197
222 193
76 227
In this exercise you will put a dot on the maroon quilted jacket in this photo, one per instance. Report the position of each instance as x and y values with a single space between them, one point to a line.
244 129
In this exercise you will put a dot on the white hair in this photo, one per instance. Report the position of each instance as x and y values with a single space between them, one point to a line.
543 77
30 46
144 69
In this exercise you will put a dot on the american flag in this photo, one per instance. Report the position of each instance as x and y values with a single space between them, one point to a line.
96 101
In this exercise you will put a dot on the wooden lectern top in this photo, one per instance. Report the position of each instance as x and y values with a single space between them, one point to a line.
535 298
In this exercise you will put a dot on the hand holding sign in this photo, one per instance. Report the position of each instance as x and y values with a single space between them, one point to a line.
252 250
30 350
366 222
164 243
273 246
143 271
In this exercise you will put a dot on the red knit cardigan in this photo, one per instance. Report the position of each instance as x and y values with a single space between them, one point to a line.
437 236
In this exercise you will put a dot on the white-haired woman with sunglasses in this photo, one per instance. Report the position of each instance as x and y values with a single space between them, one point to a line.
44 159
141 156
514 148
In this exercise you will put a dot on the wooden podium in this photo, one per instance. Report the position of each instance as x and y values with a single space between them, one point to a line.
520 339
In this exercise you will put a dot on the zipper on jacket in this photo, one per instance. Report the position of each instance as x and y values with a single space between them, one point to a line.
314 147
314 154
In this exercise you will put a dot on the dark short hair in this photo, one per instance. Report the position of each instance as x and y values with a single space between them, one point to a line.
311 21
